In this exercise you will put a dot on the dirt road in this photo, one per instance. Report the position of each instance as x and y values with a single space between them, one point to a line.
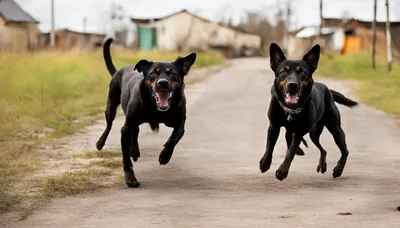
213 179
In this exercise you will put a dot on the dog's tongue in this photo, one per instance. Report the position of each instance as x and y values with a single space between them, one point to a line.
163 99
291 99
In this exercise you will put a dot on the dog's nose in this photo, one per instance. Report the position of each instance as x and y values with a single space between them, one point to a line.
292 86
163 83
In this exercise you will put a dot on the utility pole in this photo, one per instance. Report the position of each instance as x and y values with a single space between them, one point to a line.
288 15
374 37
388 38
321 18
52 32
84 23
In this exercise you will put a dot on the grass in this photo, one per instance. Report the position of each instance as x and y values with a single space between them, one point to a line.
378 88
72 183
99 154
112 164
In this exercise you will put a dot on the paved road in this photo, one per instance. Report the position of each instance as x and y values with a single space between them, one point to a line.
213 178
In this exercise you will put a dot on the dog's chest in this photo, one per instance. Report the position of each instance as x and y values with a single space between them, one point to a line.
168 118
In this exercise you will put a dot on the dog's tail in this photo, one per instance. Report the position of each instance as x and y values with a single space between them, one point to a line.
107 57
341 99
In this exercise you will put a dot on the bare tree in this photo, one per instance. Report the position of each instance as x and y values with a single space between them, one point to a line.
116 23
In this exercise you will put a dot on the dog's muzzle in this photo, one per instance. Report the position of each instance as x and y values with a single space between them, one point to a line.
162 94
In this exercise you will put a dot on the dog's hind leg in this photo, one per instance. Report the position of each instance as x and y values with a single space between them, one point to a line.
314 135
113 101
289 137
333 124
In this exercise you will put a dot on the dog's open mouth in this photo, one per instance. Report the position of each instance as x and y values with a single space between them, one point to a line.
291 98
163 100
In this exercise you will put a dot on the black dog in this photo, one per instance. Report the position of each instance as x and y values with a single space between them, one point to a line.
302 106
150 92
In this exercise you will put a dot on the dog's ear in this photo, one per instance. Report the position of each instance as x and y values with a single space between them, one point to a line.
186 62
142 65
276 56
312 57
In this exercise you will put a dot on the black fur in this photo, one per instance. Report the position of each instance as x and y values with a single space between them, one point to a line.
149 92
302 106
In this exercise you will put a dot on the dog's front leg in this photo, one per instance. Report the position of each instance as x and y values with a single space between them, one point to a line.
273 134
169 146
134 151
127 133
283 170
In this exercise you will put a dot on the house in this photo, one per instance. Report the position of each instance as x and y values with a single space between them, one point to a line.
18 30
344 36
67 40
183 31
359 34
332 39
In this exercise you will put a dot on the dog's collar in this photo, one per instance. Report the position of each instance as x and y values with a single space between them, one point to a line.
290 112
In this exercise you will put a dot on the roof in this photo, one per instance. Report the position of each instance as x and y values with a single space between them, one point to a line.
314 31
330 21
11 11
152 20
76 32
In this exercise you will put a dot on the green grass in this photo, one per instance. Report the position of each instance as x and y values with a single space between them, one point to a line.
378 88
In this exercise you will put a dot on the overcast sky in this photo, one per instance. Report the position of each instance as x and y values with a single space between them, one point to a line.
70 14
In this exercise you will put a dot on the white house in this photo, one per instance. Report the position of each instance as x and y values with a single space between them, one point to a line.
187 31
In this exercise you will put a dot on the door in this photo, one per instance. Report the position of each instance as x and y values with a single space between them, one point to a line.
147 38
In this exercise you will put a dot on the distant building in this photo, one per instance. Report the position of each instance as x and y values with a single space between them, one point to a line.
343 36
184 31
18 30
67 40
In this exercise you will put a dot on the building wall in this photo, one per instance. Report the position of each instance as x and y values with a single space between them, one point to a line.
186 32
15 36
181 31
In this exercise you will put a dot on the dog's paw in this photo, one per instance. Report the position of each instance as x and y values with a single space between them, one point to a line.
337 171
100 144
299 151
165 156
131 180
133 184
321 168
264 165
281 174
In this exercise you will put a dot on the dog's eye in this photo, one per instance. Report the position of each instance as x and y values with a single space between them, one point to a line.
282 73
